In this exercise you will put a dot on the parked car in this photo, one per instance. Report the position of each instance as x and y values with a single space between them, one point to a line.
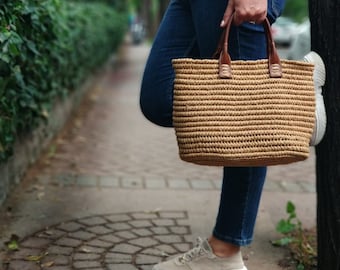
284 30
301 44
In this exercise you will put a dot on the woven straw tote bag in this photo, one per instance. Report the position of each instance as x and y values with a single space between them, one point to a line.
243 113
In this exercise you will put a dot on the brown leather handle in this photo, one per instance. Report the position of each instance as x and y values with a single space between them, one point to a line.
274 68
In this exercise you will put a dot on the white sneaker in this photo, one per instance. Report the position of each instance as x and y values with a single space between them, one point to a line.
201 257
319 77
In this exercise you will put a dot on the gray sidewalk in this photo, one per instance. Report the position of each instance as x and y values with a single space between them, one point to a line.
112 193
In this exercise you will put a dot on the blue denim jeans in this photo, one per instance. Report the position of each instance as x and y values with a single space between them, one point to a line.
190 28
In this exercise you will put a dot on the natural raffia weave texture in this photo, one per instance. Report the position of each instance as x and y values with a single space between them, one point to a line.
248 120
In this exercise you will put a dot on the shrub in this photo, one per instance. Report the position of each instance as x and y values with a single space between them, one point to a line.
47 48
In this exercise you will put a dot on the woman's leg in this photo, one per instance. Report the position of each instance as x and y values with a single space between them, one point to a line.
191 28
175 39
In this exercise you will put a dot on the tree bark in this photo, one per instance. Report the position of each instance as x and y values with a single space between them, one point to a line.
325 38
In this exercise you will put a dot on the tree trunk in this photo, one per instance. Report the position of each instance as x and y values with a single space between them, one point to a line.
147 17
325 37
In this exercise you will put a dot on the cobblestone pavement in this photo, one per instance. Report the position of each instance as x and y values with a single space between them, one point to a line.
116 241
111 192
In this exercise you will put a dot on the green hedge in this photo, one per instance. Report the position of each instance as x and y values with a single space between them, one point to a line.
120 5
47 48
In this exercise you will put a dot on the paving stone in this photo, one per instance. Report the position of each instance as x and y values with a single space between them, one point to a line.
82 235
23 265
132 182
125 248
118 258
109 181
272 186
59 268
96 268
163 222
68 242
183 247
125 234
290 186
64 180
147 259
87 181
217 183
59 250
143 242
308 187
99 230
90 249
166 249
22 253
70 226
183 222
144 215
35 242
168 239
86 256
118 217
146 267
155 184
178 184
142 232
121 267
153 251
175 215
110 238
189 238
140 223
201 184
120 226
52 234
86 264
93 221
179 230
99 243
56 259
160 230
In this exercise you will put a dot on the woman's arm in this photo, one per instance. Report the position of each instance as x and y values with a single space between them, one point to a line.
245 10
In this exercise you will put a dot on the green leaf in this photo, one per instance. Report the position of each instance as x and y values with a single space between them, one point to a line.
300 267
5 57
13 49
4 36
12 244
36 258
283 241
290 208
285 226
32 47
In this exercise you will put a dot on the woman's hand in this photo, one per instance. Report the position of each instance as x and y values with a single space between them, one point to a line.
254 11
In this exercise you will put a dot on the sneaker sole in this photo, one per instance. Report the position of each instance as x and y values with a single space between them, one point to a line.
320 112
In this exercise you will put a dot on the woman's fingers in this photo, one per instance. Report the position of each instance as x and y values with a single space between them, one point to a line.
254 11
